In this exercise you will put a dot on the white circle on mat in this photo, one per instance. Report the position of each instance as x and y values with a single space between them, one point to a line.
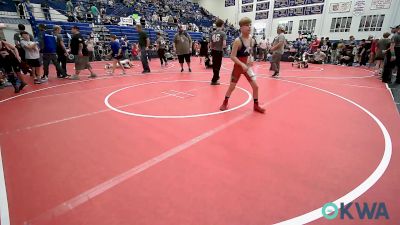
107 103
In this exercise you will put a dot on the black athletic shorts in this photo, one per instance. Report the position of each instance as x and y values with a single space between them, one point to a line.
10 66
33 62
183 58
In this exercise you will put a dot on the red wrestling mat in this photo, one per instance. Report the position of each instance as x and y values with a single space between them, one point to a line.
155 149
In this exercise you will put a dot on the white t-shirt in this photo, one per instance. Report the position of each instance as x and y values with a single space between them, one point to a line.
30 53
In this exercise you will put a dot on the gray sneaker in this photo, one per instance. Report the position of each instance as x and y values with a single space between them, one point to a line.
74 77
93 75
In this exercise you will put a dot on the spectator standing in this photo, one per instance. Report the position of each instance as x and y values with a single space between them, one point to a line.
48 48
144 43
183 47
381 47
277 50
32 56
95 13
61 51
46 10
81 54
161 49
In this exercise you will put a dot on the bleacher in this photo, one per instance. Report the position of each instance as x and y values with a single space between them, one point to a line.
85 28
119 31
118 10
8 6
56 5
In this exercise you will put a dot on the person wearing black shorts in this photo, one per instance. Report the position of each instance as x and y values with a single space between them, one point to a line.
10 62
116 53
203 49
183 47
161 49
32 56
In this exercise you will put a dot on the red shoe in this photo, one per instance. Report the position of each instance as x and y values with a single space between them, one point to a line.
224 105
257 108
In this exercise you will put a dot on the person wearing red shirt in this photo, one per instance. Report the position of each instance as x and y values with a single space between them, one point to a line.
315 45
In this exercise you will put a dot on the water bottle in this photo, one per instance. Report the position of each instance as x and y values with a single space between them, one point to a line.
250 70
251 73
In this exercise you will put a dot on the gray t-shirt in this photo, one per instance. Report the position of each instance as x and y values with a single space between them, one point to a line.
30 53
183 43
217 40
60 48
396 40
383 44
161 43
278 39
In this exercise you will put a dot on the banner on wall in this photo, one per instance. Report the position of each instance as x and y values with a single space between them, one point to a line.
296 11
262 6
262 0
359 7
247 8
247 1
313 10
340 7
262 15
300 11
281 3
126 21
229 3
290 3
380 4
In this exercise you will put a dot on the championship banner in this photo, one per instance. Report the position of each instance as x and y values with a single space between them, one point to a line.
290 3
262 15
281 4
247 1
229 3
313 10
309 2
340 7
247 8
380 4
262 6
300 11
359 7
296 11
280 13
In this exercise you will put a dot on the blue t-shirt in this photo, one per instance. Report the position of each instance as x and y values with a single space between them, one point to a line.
115 48
47 42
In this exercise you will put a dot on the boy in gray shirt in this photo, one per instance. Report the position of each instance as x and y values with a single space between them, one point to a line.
161 49
218 43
